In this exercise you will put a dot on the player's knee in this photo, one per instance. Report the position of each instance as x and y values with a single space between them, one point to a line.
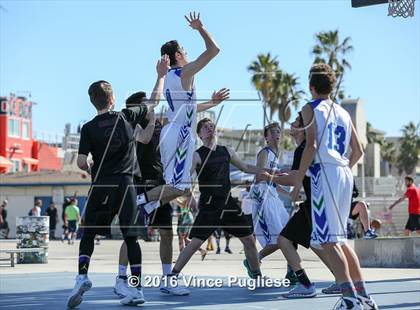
248 241
283 242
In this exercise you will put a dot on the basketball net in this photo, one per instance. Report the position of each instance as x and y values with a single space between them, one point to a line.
401 8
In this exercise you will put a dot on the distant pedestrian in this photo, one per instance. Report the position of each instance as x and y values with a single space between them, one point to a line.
413 195
72 217
36 209
53 214
4 225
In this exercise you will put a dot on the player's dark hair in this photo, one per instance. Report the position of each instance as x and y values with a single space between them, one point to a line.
201 123
409 179
135 99
99 93
322 78
269 126
170 48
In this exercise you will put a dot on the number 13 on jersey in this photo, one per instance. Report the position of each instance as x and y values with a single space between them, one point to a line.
336 138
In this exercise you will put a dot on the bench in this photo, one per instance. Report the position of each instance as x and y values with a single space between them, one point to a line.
16 251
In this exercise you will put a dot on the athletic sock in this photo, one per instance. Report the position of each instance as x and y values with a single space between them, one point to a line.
136 271
174 273
84 261
122 271
303 278
348 290
360 287
166 269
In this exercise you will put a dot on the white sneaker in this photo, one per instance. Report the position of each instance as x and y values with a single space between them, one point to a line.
121 288
172 287
368 303
135 297
347 303
82 285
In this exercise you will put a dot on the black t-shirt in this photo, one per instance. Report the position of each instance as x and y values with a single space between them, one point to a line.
109 136
215 172
4 214
297 157
52 213
148 155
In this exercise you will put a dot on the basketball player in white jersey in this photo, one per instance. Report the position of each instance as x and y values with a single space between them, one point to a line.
332 148
177 139
268 212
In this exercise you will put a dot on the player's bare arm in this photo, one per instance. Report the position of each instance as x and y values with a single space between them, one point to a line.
356 147
216 98
310 148
238 163
162 67
190 69
196 162
145 135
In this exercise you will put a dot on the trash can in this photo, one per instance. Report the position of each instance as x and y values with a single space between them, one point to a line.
32 232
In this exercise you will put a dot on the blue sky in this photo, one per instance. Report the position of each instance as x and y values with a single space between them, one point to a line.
56 49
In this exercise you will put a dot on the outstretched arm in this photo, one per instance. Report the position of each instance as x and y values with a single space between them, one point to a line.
238 163
401 199
190 69
161 69
216 99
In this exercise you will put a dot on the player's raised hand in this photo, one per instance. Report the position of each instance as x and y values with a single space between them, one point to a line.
194 20
220 96
162 66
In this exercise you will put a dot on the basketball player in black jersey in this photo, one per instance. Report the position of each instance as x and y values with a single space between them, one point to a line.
217 208
151 170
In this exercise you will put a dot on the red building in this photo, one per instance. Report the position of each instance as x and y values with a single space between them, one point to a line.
18 150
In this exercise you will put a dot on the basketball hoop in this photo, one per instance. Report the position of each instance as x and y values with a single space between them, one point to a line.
401 8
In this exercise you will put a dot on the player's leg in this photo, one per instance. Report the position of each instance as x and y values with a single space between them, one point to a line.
83 284
331 201
217 235
306 288
227 238
126 198
234 222
357 278
121 286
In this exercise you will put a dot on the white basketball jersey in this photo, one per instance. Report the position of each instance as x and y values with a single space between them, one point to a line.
333 125
272 163
182 104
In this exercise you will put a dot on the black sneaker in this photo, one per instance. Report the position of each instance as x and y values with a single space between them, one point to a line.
228 250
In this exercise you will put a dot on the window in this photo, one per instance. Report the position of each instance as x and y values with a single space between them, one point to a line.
25 130
14 127
16 165
25 168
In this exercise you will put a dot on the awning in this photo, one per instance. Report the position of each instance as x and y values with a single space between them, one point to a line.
31 161
5 163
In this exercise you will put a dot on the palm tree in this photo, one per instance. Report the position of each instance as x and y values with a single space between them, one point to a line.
409 148
328 49
263 71
285 93
388 153
372 136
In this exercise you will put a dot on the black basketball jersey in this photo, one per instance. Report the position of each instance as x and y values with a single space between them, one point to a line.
214 172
